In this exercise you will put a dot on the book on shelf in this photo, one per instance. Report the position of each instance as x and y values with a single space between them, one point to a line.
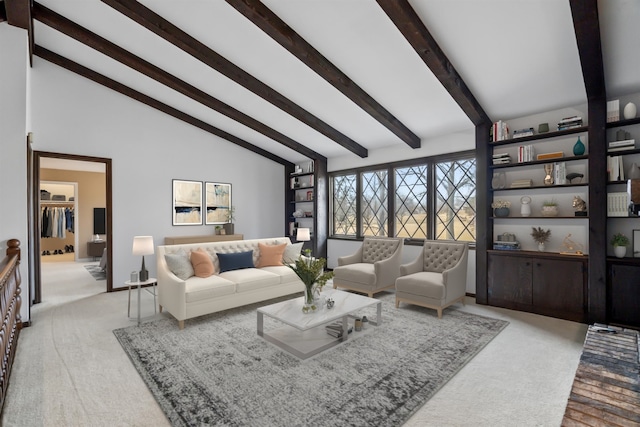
618 204
525 153
335 329
615 168
521 183
560 173
569 126
499 131
500 155
623 143
623 148
613 110
554 155
522 132
502 161
571 119
506 246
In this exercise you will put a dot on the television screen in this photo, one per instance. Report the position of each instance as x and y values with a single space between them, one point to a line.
99 221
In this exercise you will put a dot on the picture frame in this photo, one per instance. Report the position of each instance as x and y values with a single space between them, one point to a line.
636 243
217 202
187 202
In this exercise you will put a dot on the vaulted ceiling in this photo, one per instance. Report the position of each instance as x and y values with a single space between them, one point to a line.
296 79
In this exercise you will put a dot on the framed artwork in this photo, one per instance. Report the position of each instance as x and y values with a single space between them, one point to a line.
217 202
187 202
636 243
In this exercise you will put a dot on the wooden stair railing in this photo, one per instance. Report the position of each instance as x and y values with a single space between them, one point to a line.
10 302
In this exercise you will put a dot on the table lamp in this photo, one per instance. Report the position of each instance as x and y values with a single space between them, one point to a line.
143 245
304 235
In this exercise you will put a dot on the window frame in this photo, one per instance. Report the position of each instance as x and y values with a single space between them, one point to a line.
430 162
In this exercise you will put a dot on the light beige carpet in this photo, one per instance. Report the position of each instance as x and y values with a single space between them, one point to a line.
71 371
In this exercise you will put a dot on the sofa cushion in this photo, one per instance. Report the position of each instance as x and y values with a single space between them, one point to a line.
292 252
270 254
359 272
424 283
249 279
374 250
286 274
202 264
204 288
235 261
179 264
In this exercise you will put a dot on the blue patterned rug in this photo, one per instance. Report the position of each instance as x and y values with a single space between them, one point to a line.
218 372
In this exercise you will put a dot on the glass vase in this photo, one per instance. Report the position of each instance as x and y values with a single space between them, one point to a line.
309 305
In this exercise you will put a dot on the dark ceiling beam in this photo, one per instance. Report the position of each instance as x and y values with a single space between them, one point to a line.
102 45
587 28
165 29
87 73
413 29
258 13
18 13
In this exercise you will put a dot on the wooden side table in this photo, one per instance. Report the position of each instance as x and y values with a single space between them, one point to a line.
151 281
95 249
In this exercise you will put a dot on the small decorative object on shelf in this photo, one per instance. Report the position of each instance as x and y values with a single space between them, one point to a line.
634 171
573 175
619 242
580 206
506 242
501 208
549 208
548 174
499 180
543 128
525 206
540 236
629 111
571 247
578 148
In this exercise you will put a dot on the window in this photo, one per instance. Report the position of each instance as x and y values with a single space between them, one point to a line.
374 203
429 198
344 205
455 213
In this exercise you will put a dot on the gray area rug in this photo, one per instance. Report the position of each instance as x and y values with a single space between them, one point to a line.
96 272
218 372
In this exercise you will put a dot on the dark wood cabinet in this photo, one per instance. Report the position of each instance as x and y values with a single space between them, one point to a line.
95 249
624 294
548 284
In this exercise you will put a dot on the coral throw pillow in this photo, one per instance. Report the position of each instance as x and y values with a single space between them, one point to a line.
270 254
202 264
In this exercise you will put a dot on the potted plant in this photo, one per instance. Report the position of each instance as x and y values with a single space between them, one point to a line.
311 273
501 207
540 236
549 208
619 242
219 230
228 227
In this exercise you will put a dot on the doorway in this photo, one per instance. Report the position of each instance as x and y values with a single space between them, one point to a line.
84 166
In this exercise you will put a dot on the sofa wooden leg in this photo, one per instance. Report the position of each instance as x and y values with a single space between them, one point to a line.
181 324
439 313
397 303
160 308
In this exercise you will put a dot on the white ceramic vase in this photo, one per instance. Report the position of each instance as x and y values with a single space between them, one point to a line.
541 246
620 251
629 111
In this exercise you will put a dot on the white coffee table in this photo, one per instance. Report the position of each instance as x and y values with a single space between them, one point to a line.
305 335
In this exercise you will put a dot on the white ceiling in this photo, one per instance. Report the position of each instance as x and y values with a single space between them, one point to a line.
518 57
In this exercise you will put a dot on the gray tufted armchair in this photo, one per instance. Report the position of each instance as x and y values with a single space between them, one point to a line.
373 268
437 278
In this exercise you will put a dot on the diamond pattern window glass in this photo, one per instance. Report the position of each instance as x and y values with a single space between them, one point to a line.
455 200
344 205
374 201
411 202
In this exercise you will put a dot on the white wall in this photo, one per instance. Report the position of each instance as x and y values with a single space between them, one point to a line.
13 160
148 150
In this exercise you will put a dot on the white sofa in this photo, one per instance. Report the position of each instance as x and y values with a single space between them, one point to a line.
197 296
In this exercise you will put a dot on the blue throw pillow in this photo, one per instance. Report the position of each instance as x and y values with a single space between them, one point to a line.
235 261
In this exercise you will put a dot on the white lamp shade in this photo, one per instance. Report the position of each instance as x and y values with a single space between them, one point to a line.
143 245
303 235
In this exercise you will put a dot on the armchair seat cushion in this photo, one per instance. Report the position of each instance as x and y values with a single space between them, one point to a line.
424 283
360 272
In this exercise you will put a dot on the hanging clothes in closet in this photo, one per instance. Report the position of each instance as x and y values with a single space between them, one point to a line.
56 221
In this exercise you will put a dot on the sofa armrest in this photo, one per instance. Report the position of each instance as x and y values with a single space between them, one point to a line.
171 290
388 270
351 259
455 278
414 266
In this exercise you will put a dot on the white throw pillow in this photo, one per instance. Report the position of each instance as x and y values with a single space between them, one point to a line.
179 264
292 252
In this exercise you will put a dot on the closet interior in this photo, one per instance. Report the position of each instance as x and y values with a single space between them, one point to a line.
58 221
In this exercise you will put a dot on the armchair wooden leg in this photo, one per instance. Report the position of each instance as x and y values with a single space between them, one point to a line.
397 303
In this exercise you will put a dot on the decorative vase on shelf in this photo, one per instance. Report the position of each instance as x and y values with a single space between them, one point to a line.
578 148
501 212
620 251
525 206
550 210
629 111
541 246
